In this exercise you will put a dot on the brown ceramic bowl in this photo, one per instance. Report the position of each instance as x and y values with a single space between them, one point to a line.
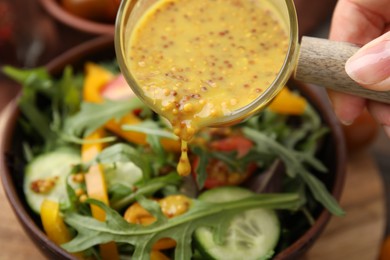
54 8
332 154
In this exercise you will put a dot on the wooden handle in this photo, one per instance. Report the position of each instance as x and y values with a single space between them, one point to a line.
321 62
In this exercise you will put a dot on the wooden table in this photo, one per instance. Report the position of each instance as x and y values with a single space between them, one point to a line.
355 236
358 235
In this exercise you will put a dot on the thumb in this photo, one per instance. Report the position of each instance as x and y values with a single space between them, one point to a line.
370 66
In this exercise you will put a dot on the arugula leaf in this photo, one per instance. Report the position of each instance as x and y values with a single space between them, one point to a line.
147 188
38 120
181 228
154 130
92 116
201 174
33 82
29 77
150 127
45 101
295 165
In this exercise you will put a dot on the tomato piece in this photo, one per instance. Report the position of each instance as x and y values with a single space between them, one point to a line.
117 89
233 143
218 172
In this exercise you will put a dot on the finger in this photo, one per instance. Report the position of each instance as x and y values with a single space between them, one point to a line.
358 21
381 113
347 107
370 66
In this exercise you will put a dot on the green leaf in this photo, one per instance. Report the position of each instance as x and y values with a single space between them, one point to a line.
147 188
26 77
92 116
36 118
201 173
153 208
321 194
295 165
122 152
150 127
220 230
201 214
118 191
46 101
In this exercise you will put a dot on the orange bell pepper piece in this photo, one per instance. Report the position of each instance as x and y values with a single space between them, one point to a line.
288 103
115 126
157 255
170 145
171 206
95 78
138 215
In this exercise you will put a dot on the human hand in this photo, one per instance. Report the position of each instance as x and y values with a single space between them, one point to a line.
364 22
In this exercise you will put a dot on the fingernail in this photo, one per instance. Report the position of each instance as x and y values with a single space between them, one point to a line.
371 64
344 119
346 122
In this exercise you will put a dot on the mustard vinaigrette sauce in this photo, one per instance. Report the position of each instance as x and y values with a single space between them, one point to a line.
201 59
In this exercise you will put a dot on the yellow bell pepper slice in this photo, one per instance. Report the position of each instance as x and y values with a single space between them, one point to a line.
90 150
53 223
96 188
288 103
95 78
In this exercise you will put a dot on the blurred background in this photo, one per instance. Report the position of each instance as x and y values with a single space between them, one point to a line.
30 36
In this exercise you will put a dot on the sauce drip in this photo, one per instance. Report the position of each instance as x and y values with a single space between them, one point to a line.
184 166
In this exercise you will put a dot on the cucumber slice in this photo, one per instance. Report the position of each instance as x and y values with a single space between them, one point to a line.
252 234
53 166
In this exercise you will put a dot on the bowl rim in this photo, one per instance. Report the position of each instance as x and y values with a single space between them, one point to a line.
11 112
84 25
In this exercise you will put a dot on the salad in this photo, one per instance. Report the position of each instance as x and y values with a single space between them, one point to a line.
100 172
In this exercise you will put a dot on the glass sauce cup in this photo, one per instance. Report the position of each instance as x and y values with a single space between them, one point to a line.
131 11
